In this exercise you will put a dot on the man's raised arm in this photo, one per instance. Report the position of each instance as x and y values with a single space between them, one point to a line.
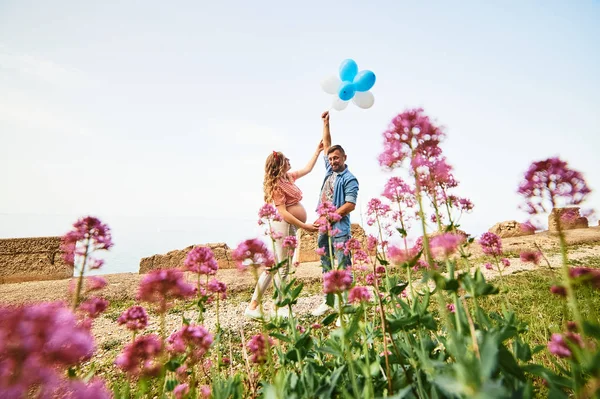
326 132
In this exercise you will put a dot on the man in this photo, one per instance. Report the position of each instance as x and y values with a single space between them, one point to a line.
339 187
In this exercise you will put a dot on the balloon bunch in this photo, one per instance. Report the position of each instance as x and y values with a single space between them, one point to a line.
351 85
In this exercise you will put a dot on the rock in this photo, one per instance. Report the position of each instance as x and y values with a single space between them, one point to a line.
308 243
32 259
569 218
511 228
175 258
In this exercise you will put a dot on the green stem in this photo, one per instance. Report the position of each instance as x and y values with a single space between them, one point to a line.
81 274
347 347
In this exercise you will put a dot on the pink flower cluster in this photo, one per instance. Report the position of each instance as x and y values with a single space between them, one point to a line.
257 345
192 339
135 318
336 281
559 346
201 260
253 253
141 357
328 217
359 294
586 274
269 212
88 235
290 243
397 190
445 244
218 287
491 244
376 210
38 343
551 183
409 133
531 257
161 287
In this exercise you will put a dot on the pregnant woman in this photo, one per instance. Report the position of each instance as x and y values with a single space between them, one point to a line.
280 189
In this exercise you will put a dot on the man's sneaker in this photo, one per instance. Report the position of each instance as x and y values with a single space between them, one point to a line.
253 313
281 312
321 310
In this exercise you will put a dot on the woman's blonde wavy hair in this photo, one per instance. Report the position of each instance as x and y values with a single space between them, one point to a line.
274 170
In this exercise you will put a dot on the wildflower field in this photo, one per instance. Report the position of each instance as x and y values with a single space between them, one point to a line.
409 319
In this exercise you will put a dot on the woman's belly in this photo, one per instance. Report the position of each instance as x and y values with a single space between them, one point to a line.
298 211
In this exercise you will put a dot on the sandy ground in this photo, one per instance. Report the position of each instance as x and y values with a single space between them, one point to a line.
124 286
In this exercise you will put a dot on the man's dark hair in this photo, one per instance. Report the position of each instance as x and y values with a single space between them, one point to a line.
336 147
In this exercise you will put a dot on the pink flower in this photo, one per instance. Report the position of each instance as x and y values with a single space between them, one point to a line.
359 294
201 260
410 132
327 218
95 283
38 343
399 256
205 392
336 281
162 286
257 345
558 290
559 346
181 391
550 183
94 307
360 256
445 244
320 251
141 357
135 318
218 287
253 253
451 308
88 235
316 326
290 243
377 209
491 244
192 339
505 262
586 274
489 266
269 212
371 243
398 190
300 329
531 256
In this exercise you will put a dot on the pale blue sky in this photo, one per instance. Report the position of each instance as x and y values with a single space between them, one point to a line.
156 109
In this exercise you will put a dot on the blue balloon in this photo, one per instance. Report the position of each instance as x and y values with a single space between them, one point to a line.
348 70
346 91
364 81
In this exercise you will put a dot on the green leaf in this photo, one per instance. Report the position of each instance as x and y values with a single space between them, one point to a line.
591 329
402 232
172 365
171 384
489 356
329 319
305 342
281 337
509 364
330 300
397 289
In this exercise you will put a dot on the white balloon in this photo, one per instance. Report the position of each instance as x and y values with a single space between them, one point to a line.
331 84
338 104
364 99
